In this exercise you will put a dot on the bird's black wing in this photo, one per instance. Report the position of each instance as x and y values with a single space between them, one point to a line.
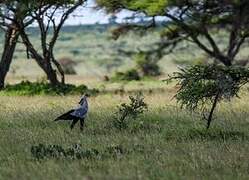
66 116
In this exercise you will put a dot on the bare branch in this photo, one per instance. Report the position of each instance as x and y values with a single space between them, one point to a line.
62 21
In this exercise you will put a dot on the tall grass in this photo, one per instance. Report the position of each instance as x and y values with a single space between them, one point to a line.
164 143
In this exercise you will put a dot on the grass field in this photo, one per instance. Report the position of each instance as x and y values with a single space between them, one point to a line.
164 143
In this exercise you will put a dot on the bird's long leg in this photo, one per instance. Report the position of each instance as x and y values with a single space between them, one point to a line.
73 123
82 124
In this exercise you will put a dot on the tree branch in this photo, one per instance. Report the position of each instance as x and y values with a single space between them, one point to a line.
62 21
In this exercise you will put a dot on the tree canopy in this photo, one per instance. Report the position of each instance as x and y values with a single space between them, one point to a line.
194 21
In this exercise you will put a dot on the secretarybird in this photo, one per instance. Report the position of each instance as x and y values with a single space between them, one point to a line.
77 114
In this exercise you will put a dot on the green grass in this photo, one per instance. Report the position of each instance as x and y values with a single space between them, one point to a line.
164 143
27 88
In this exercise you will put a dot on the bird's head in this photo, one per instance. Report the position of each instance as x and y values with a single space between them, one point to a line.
84 98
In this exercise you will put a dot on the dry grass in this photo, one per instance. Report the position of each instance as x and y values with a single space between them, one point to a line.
164 143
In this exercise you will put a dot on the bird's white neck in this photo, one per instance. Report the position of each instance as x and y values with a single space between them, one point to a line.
84 102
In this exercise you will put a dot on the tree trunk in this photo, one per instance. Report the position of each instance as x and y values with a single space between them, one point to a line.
210 117
11 37
57 64
43 62
46 66
51 75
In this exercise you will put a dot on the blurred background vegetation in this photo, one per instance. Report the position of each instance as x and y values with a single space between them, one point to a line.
90 52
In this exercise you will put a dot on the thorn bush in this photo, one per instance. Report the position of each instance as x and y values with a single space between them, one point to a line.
136 107
204 85
130 75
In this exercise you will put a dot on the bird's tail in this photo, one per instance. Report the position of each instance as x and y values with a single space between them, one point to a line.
65 116
60 119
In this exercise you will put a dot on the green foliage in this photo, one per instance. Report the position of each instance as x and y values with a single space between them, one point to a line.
146 66
136 107
55 151
171 32
43 88
26 7
110 5
201 85
151 7
75 152
69 70
193 21
129 75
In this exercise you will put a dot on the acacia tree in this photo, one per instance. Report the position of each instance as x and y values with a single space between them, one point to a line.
195 21
16 16
45 15
9 11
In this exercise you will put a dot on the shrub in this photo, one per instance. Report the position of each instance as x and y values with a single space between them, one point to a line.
68 65
129 75
147 65
136 107
75 152
56 151
75 52
42 88
202 85
65 38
